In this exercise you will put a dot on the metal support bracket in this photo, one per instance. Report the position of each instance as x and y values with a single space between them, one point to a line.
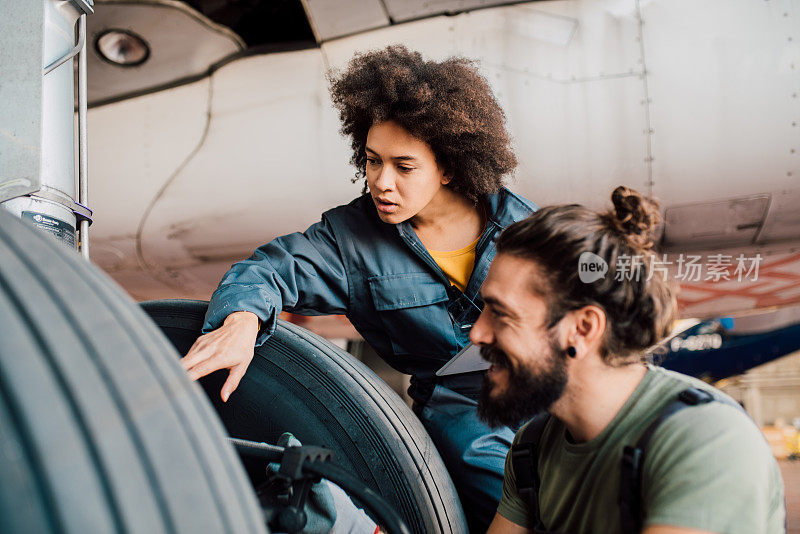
81 212
69 55
87 8
297 485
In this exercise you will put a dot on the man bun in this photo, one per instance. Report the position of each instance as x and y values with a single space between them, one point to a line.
639 303
635 216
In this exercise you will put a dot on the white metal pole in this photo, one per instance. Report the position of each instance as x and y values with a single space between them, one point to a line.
83 184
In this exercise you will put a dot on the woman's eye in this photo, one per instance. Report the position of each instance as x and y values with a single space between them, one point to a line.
403 168
372 161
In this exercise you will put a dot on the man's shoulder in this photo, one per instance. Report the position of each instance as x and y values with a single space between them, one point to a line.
709 467
713 422
719 430
666 385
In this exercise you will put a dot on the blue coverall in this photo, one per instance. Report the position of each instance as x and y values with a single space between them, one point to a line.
384 280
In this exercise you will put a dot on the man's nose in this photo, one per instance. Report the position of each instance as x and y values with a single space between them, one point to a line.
481 333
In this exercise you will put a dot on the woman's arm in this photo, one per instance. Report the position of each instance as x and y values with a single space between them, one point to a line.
300 272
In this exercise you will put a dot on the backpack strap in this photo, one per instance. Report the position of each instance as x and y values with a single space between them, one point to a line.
630 488
524 460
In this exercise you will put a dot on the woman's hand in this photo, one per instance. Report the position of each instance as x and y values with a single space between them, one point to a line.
230 346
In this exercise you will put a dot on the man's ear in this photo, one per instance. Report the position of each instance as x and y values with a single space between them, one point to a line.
587 329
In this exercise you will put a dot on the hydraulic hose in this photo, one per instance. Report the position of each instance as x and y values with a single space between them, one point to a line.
256 449
387 517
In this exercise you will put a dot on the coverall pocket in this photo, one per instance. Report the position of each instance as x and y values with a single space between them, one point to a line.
413 310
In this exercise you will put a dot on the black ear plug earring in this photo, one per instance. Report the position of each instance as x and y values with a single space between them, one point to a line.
571 352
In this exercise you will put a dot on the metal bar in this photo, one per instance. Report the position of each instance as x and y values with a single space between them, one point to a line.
83 184
71 54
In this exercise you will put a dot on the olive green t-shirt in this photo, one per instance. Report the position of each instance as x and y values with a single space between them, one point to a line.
707 467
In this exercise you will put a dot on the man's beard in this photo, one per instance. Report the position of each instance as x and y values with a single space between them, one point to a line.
527 393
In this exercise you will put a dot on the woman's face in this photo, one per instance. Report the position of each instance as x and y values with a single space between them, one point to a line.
403 176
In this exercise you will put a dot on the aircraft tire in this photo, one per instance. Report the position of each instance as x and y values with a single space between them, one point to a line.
301 383
100 429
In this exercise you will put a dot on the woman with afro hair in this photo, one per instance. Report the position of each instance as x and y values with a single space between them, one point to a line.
405 260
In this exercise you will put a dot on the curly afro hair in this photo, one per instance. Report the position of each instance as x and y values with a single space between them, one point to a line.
447 104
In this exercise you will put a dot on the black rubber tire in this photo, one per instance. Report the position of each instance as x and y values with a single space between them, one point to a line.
100 429
301 383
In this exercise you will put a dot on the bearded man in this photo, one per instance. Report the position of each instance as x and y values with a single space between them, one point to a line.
621 446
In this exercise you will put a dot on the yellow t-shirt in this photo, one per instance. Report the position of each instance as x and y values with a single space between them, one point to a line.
457 264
